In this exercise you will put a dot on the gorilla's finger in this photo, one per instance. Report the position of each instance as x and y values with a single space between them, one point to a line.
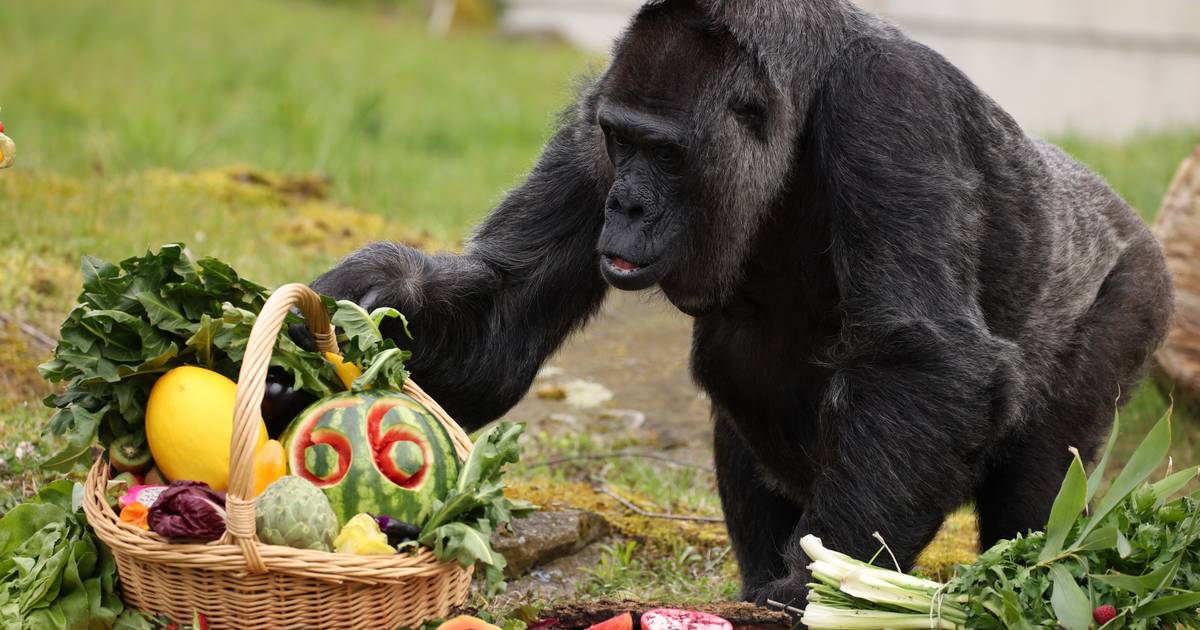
373 299
302 337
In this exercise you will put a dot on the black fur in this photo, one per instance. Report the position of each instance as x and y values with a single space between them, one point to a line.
902 302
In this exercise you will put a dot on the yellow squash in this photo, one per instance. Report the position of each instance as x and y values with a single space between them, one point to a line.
189 425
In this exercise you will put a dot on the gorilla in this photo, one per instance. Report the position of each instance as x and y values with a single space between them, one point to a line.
902 303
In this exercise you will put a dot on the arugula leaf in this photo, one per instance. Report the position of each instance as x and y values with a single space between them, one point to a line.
462 523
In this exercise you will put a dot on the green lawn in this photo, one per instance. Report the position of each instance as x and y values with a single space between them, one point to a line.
128 115
418 129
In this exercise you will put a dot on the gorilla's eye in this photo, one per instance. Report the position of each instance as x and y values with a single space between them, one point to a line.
752 113
667 156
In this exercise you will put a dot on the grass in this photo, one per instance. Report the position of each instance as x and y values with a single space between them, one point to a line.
420 130
128 116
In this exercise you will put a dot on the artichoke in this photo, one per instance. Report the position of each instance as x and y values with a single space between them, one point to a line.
294 513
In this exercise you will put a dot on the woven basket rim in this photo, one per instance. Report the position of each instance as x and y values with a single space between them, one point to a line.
239 550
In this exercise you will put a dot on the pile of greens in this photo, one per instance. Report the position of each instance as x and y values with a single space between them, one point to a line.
1137 549
139 319
53 572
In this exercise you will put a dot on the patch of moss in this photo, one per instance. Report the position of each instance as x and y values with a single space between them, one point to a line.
957 543
19 378
656 535
243 184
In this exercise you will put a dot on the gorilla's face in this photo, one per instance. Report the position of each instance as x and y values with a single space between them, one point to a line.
686 120
644 219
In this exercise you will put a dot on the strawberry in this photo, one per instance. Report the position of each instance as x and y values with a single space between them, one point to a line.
1104 614
1 127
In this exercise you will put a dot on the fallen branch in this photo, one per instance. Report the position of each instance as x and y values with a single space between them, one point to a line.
603 488
621 455
575 615
30 330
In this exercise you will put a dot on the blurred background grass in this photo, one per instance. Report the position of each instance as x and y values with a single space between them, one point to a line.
427 130
141 122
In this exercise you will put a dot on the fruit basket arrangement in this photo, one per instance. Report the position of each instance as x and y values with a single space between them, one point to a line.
388 507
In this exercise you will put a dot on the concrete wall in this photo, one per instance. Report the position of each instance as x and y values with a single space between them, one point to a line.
1099 67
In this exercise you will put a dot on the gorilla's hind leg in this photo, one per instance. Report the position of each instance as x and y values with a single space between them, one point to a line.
1113 340
760 521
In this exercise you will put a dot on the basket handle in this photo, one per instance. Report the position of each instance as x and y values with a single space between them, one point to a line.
247 411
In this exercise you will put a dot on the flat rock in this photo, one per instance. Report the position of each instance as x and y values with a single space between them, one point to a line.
545 536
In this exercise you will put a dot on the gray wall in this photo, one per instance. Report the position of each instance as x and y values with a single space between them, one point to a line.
1099 67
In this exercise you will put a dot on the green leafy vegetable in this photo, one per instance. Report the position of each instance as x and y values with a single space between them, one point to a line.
1139 551
139 319
462 523
53 573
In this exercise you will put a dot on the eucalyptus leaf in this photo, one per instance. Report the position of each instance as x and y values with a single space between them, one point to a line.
1169 604
1070 603
1148 456
1071 500
1172 484
1097 475
1139 584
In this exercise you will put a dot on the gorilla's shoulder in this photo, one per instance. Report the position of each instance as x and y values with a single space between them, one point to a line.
887 88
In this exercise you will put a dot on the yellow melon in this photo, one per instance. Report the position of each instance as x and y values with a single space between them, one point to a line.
189 424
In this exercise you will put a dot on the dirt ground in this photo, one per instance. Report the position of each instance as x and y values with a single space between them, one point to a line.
637 348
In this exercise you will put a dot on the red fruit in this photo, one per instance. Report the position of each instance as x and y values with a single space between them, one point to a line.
620 622
673 619
1 127
1104 614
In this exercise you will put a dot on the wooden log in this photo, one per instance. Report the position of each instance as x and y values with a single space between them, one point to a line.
578 615
1177 227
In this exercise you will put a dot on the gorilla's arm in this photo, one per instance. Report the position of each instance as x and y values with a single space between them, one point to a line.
917 374
484 321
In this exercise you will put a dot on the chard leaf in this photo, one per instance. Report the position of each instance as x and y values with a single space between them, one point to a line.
163 314
80 427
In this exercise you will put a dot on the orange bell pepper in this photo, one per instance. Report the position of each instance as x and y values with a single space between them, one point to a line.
270 463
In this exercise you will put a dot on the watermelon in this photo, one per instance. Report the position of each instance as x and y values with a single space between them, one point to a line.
381 453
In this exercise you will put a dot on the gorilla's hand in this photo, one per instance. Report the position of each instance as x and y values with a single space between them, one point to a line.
380 274
789 591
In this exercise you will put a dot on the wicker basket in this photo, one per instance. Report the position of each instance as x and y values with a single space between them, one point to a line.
239 582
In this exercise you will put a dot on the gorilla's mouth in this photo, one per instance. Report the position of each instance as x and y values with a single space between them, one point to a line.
627 275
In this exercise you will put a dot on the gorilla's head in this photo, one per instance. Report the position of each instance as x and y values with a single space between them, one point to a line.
699 140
